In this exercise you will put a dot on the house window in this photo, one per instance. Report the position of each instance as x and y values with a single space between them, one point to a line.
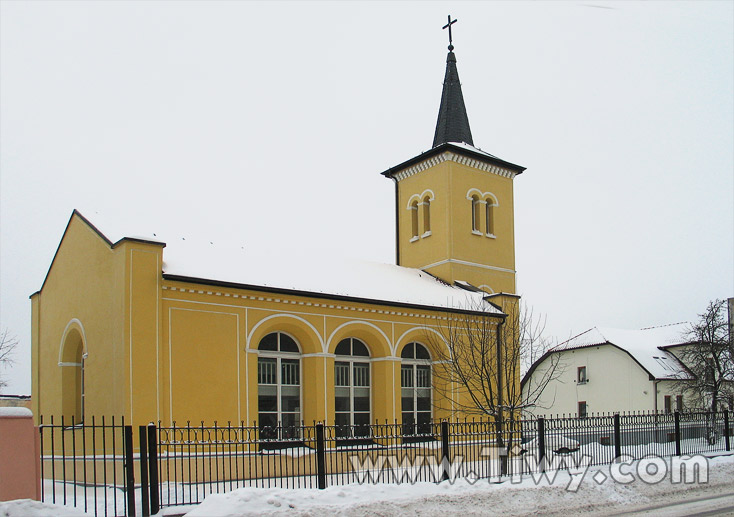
279 387
668 404
414 218
352 389
582 409
490 217
475 214
415 384
679 403
581 375
426 216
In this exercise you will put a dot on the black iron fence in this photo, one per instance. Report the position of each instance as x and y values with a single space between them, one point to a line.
88 465
181 464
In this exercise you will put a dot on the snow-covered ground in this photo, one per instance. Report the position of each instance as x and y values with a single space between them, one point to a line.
548 497
481 498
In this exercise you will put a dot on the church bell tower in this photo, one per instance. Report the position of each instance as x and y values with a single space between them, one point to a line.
454 202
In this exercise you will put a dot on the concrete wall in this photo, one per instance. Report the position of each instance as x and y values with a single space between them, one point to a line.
19 455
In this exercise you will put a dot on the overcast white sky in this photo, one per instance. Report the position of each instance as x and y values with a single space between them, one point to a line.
270 123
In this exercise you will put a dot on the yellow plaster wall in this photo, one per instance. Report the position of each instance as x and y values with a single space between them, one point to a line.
499 251
203 366
164 350
193 321
85 284
143 266
451 235
436 247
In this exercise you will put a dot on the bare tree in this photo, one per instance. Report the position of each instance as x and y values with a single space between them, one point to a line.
534 344
479 360
709 358
8 342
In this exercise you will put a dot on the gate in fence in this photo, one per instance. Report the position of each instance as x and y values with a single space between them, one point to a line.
94 465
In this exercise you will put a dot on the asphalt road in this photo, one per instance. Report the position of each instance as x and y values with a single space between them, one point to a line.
721 504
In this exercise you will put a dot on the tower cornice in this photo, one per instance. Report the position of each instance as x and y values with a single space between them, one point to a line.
459 153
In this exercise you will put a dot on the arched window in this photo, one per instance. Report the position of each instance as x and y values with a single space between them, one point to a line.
475 213
490 217
415 384
426 216
72 377
279 386
414 218
352 388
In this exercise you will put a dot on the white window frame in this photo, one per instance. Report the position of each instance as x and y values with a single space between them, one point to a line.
414 363
414 222
279 356
351 360
489 215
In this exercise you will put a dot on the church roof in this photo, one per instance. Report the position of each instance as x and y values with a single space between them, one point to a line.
452 127
232 265
453 122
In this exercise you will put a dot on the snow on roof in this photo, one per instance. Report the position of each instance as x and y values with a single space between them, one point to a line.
230 262
470 147
644 345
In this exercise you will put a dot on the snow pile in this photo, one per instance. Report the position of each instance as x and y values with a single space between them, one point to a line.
15 412
524 498
550 496
30 508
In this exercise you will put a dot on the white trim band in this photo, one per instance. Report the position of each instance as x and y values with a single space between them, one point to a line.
453 157
467 263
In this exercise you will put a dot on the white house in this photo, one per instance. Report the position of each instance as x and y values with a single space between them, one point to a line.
607 370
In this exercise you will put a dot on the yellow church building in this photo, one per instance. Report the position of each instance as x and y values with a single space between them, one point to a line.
129 322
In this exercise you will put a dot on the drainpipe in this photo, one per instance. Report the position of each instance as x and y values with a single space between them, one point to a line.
501 399
397 224
500 396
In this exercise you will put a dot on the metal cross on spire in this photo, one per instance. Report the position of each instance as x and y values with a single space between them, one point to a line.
448 25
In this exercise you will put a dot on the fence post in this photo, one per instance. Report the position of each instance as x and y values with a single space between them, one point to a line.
155 505
445 460
617 437
676 416
129 470
143 435
726 430
541 443
320 456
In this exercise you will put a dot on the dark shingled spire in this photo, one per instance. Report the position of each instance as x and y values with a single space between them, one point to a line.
453 124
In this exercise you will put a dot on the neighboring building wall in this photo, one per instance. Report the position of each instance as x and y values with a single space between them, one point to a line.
615 383
15 401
